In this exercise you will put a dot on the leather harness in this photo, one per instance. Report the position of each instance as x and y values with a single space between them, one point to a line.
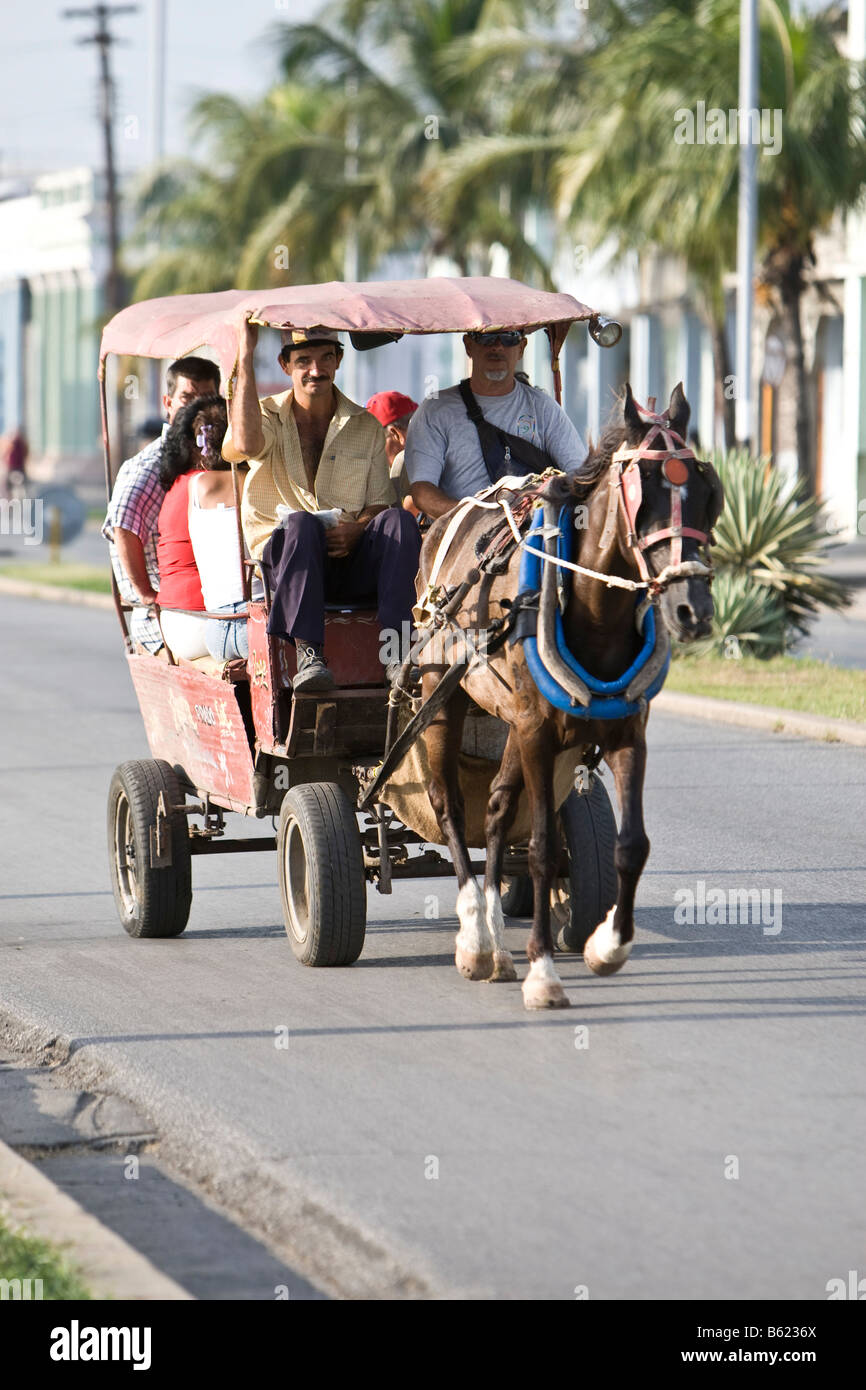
626 492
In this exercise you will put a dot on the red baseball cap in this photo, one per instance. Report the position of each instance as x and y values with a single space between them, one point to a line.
388 406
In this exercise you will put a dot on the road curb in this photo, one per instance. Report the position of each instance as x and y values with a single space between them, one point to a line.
770 718
109 1267
24 588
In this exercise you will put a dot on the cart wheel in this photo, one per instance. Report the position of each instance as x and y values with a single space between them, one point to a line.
590 836
584 899
517 895
321 872
150 901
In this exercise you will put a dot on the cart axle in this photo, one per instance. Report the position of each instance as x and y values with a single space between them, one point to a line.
199 844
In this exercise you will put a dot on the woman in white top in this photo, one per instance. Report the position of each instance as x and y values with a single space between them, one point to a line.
213 530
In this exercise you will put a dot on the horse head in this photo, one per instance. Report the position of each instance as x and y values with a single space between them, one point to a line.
670 502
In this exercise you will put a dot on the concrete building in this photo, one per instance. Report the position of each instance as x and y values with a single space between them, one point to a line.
52 258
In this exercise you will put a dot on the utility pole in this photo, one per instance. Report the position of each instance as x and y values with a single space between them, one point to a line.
103 39
747 217
157 79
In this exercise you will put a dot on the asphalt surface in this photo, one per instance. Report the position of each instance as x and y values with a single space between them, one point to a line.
691 1128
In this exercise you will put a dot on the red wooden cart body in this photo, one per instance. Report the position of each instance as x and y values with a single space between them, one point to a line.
195 721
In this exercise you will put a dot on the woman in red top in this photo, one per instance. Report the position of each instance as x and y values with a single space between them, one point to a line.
193 432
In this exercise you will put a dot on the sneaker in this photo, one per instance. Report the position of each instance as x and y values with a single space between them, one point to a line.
313 672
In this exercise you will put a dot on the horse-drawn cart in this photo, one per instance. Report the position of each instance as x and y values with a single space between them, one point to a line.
233 737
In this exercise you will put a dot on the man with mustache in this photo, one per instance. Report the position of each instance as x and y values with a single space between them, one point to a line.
445 460
312 450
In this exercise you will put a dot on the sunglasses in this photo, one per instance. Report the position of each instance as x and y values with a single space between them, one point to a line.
510 338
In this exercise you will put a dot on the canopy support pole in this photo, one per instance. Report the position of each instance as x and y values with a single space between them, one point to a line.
106 454
246 575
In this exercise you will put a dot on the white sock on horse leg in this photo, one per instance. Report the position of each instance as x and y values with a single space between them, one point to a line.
473 935
494 917
543 969
542 988
606 943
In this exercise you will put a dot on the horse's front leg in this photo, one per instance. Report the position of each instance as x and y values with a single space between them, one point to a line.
542 988
609 947
504 794
473 954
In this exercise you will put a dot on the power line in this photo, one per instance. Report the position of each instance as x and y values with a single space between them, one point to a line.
103 38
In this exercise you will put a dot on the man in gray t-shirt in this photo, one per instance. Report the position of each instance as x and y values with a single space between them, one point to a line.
444 460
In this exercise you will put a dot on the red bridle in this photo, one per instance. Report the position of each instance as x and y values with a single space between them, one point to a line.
628 484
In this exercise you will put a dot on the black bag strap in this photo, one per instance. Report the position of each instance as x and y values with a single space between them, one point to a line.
473 409
500 449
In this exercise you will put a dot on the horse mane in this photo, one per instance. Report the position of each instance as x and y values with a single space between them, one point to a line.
581 484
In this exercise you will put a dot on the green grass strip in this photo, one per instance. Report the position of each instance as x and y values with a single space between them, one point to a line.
23 1257
796 683
93 579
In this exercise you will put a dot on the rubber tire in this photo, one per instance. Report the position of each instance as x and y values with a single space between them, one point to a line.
156 902
319 831
590 835
517 895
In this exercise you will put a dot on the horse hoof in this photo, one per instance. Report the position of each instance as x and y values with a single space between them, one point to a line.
542 988
503 967
474 965
599 966
544 994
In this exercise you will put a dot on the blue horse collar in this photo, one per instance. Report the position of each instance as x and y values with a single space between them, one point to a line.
607 696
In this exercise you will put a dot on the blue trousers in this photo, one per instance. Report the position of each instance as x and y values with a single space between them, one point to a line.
303 577
226 640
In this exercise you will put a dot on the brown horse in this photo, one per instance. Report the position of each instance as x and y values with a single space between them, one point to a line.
643 534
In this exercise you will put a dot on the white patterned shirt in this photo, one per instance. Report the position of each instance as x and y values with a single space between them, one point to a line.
135 504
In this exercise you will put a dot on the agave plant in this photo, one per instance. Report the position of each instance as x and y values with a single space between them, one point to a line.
750 620
773 536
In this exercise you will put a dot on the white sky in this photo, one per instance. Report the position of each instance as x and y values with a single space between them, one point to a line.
48 82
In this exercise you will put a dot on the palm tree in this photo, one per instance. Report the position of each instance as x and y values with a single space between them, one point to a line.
241 215
385 67
340 150
615 171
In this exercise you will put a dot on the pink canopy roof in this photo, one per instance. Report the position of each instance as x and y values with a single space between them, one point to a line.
179 324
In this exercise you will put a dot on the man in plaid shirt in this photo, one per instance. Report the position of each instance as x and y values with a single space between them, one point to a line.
133 512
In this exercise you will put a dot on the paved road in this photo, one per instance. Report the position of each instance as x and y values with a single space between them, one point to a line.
841 637
707 1142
